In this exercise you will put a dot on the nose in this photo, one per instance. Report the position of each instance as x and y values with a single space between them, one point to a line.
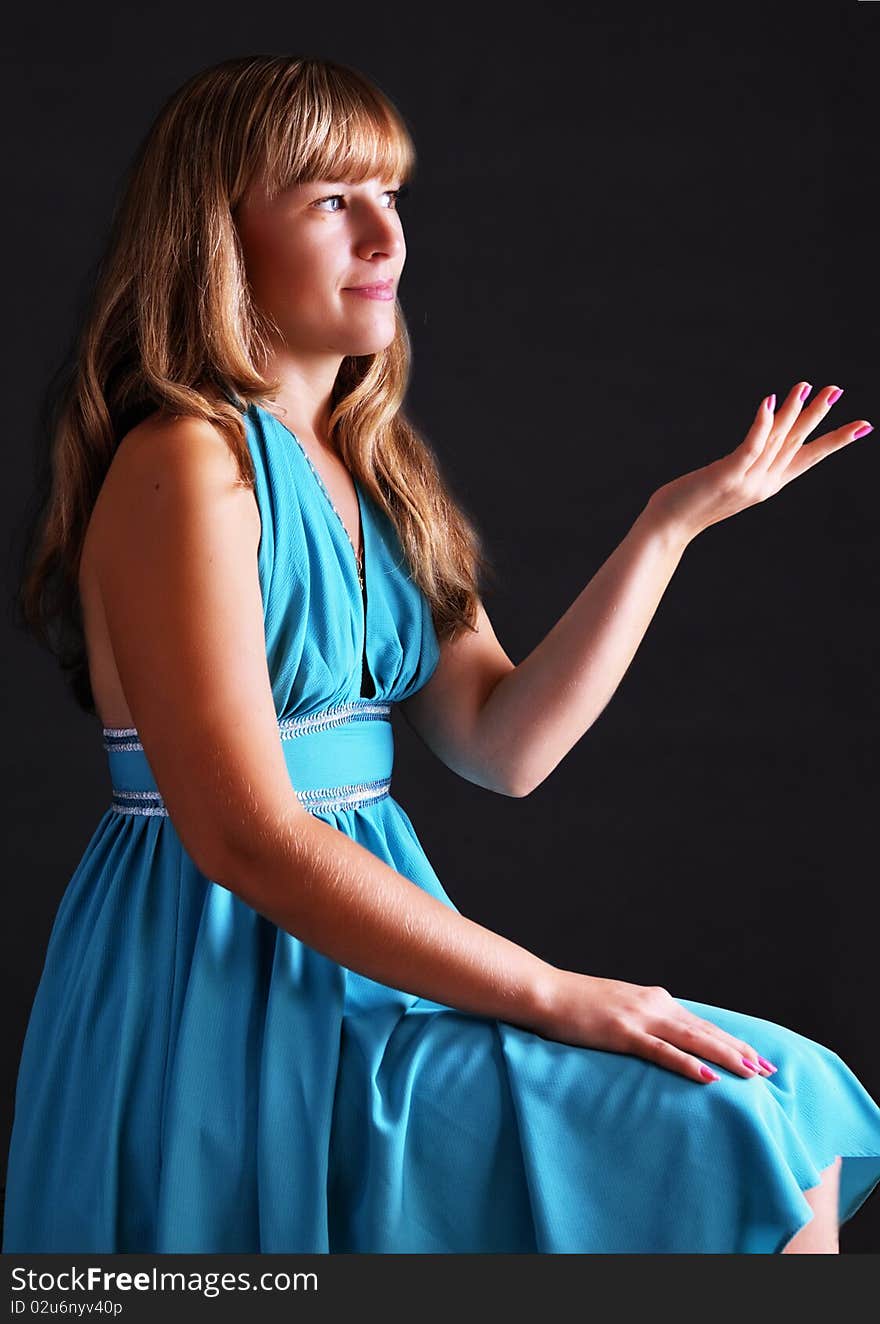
381 233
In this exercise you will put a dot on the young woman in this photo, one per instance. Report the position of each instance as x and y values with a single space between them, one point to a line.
262 1024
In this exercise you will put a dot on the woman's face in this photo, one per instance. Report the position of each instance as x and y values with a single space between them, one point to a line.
307 247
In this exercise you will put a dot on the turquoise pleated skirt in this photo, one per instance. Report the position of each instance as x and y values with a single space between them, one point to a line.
195 1079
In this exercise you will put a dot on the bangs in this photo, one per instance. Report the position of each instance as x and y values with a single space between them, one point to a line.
335 126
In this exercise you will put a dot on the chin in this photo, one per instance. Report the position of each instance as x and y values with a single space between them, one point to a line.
368 344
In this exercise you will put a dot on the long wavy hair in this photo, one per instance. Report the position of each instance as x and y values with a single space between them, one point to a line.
171 326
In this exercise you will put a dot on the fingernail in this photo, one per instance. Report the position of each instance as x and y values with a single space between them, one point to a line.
806 391
863 432
708 1074
768 1066
753 1066
771 402
835 395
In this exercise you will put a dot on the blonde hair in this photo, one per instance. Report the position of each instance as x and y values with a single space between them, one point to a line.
172 327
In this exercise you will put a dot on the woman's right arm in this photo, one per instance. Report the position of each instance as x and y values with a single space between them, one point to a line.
341 899
176 558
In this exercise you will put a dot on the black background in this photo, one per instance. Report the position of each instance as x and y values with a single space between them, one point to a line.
625 228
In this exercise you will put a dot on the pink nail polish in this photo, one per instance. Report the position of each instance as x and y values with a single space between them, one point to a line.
835 395
771 402
806 391
768 1066
863 432
708 1074
753 1066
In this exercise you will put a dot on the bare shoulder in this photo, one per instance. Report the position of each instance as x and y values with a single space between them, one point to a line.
173 451
167 457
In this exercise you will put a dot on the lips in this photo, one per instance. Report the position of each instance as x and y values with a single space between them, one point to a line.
378 287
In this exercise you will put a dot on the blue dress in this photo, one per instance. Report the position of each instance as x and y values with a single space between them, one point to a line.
195 1079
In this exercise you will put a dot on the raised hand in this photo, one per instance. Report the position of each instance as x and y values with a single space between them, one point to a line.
770 456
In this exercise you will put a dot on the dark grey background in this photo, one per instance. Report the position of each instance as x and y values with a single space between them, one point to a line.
624 230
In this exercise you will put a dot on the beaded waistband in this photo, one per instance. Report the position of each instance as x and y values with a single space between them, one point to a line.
351 796
331 738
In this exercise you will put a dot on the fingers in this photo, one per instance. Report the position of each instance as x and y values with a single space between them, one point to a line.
738 1045
711 1041
823 446
755 440
680 1041
797 422
666 1054
773 444
687 1023
770 430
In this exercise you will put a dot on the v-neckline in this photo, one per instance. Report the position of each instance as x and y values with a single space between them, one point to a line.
360 566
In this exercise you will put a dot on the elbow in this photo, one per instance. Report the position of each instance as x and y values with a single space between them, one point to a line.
218 862
506 777
236 860
518 786
503 781
522 781
497 785
491 781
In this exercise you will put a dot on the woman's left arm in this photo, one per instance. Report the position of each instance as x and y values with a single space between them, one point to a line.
540 709
507 727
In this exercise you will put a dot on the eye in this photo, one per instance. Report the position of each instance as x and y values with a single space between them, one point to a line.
395 193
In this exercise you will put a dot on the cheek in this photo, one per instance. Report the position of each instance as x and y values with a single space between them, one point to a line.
288 271
270 260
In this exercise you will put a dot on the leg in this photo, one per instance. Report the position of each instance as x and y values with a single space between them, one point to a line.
820 1236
